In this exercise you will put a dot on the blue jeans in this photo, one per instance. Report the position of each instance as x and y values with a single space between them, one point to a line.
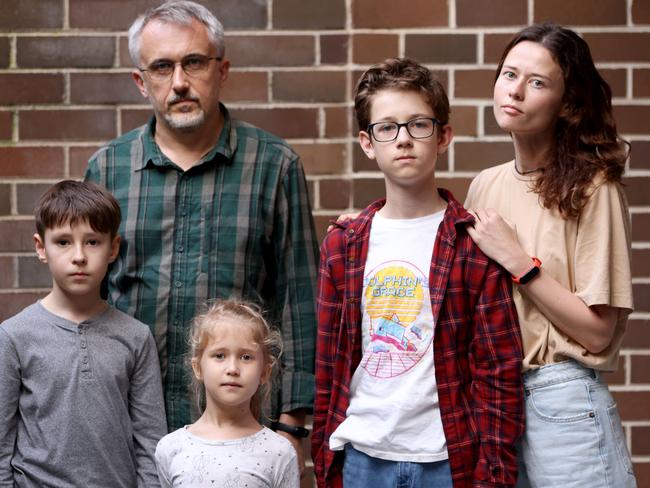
573 437
363 471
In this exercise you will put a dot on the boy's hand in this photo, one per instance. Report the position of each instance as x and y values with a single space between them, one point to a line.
343 218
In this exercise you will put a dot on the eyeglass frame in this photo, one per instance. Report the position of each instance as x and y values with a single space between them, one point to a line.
176 63
404 124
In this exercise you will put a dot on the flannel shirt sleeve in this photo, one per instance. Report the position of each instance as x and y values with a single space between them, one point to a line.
497 395
297 260
329 309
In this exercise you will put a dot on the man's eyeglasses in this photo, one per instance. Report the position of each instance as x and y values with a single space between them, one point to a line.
417 128
192 65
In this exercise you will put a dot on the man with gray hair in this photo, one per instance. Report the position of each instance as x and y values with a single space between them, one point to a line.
212 208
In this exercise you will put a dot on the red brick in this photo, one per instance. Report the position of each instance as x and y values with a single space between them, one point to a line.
641 297
20 88
642 473
132 118
367 190
308 14
617 81
490 126
493 46
640 440
633 119
280 50
334 194
31 162
636 189
583 12
118 14
640 155
641 15
4 52
637 334
463 120
33 274
311 193
16 235
474 83
641 227
31 14
457 186
640 262
284 122
337 122
6 125
334 48
632 405
640 367
476 156
641 83
125 56
245 86
79 157
68 125
441 48
5 199
95 88
321 222
321 159
27 195
65 52
12 303
390 14
309 86
7 273
617 377
372 48
497 13
608 46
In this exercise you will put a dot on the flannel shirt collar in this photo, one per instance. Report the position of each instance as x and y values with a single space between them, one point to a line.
222 153
455 215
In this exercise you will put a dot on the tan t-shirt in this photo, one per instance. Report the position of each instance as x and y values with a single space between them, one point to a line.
589 256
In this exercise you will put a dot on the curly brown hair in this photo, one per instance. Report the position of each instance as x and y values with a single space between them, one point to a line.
587 144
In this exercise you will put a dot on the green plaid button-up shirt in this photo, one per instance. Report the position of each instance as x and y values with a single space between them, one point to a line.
237 224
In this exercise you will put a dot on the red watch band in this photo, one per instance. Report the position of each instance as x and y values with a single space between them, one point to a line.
530 274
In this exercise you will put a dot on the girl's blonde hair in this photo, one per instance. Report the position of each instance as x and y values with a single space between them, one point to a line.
250 315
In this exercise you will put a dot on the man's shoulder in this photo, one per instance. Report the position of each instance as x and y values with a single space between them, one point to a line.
247 132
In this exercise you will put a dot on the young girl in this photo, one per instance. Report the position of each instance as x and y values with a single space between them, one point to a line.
232 354
557 220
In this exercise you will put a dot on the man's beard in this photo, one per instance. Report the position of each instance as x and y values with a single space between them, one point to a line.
185 122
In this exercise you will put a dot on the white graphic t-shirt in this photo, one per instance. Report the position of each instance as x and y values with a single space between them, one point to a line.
394 412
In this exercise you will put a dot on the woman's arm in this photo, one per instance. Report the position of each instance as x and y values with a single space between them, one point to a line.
592 327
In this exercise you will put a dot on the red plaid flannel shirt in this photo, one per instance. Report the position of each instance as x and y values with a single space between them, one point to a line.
477 349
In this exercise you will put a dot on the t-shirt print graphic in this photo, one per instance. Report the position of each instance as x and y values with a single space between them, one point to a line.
400 330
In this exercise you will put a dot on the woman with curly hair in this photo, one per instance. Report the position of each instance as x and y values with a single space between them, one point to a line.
557 219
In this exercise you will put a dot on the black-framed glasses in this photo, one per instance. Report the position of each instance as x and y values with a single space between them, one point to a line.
192 65
419 128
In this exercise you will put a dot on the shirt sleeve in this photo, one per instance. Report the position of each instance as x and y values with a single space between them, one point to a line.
496 390
162 464
10 385
297 257
288 475
602 256
147 412
329 310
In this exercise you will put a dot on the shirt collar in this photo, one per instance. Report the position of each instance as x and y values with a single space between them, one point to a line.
222 153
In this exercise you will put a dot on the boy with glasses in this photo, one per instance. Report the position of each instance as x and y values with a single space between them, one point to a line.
418 349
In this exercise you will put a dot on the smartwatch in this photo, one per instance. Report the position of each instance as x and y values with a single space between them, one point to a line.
293 430
529 275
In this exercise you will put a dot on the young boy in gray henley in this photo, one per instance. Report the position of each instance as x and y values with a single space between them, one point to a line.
80 393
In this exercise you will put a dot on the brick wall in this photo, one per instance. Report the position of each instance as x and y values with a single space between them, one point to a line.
66 88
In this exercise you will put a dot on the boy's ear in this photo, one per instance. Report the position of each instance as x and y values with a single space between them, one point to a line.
40 248
366 144
115 248
445 136
196 367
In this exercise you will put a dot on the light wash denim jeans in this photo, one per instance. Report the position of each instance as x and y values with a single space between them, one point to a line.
363 471
573 437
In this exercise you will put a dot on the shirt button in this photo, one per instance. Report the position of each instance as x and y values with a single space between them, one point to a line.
83 344
180 248
178 284
84 360
350 231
